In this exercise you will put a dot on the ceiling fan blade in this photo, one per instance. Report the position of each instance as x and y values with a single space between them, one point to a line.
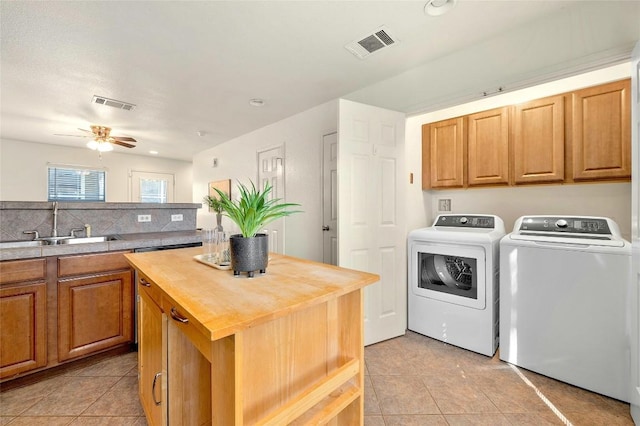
124 139
117 142
74 136
85 130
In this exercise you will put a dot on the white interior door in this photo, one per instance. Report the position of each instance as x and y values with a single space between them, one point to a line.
635 235
151 187
371 223
330 198
271 169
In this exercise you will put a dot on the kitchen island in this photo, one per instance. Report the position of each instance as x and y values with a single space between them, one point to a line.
285 347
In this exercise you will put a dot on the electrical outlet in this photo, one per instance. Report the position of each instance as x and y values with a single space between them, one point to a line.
444 205
144 218
176 218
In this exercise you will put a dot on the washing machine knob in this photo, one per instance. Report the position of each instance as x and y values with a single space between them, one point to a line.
561 223
463 220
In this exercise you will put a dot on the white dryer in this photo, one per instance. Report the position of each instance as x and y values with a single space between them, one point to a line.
564 290
453 281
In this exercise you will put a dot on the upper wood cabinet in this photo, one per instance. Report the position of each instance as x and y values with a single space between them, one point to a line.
443 148
488 147
538 141
601 132
583 135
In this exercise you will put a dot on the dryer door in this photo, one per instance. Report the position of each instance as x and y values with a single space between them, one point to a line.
450 273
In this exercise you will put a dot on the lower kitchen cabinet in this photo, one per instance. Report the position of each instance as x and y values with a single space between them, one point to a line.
95 303
174 380
23 316
151 359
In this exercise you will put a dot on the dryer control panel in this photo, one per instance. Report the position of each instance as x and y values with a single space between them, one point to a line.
574 225
466 221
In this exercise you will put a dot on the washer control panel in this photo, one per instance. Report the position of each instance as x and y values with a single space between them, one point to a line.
466 221
574 225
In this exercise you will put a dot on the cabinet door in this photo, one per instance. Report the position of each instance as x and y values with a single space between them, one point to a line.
601 138
94 313
443 150
152 378
538 141
488 147
23 340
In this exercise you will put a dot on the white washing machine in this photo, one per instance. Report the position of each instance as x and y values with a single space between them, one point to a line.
564 290
453 281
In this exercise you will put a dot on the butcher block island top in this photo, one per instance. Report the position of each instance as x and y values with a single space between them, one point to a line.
285 347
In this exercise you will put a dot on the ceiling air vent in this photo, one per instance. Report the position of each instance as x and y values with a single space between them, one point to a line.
101 100
372 42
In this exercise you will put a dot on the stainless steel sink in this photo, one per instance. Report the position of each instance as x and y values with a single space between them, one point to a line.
21 244
84 240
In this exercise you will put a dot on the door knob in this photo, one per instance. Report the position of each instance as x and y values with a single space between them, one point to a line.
325 228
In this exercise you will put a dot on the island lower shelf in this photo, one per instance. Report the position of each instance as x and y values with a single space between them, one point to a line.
294 361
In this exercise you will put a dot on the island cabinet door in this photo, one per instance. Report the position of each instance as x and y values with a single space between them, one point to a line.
188 373
152 377
94 313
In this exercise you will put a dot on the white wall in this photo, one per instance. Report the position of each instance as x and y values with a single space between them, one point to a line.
301 135
599 199
23 170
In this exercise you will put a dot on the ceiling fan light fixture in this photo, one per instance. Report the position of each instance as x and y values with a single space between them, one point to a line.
100 146
256 102
439 7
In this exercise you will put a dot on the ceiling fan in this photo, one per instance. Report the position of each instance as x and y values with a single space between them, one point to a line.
102 139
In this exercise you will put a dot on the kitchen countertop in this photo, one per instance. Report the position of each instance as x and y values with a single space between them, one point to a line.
126 242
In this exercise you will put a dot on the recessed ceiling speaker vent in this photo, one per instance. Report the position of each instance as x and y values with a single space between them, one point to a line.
371 43
101 100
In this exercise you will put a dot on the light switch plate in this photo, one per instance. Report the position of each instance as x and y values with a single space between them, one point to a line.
444 205
176 218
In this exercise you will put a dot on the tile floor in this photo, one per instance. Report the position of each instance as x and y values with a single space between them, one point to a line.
410 380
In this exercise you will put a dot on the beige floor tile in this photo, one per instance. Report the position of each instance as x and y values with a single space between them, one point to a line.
461 399
512 397
17 401
543 418
417 420
42 421
371 406
4 420
71 399
115 366
403 395
120 400
477 420
109 421
373 421
598 418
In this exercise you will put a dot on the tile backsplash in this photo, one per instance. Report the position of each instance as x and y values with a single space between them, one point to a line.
104 218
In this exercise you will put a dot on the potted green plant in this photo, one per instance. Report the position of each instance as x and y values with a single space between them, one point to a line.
252 211
215 205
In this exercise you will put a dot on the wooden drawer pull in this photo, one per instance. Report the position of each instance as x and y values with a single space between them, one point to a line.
144 282
176 316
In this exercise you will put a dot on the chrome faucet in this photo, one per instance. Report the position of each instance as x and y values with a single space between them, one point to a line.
54 232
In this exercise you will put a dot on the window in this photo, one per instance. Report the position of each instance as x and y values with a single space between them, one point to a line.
68 183
153 190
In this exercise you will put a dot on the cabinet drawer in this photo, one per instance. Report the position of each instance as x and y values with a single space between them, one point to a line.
145 285
185 322
22 270
91 263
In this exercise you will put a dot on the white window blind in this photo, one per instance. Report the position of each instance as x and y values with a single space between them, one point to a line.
76 184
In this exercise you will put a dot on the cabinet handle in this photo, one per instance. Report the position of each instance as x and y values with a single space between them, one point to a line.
153 389
176 316
144 282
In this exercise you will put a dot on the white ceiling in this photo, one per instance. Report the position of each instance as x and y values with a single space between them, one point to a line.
194 66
